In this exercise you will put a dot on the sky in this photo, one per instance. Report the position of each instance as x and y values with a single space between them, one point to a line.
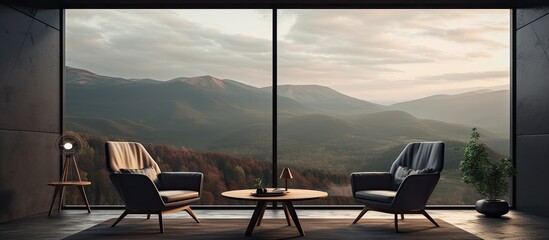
383 56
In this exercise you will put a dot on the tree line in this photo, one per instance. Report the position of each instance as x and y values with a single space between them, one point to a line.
222 172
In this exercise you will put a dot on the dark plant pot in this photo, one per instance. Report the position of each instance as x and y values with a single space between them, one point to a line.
492 208
260 190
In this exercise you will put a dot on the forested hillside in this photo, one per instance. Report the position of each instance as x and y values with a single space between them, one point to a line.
222 172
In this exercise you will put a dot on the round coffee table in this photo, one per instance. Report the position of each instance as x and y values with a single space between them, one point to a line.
286 199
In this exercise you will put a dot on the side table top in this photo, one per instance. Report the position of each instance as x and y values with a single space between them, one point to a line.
70 183
291 195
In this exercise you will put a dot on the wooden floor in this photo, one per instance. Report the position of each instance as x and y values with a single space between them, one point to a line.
515 225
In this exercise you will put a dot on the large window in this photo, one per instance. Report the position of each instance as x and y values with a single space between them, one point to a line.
353 87
188 84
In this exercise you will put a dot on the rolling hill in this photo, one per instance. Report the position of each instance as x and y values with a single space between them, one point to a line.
223 127
183 111
327 100
485 109
208 113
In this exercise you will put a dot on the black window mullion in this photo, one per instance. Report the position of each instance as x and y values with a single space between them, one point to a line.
274 103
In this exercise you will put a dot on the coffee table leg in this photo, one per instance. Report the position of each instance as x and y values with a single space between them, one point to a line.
291 209
286 213
255 217
261 215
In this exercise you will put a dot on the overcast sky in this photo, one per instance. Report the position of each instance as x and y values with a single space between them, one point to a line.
383 56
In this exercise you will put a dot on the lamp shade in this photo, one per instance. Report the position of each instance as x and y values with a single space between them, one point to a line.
69 144
286 173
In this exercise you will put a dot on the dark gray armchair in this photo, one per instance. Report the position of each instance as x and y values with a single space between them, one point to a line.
144 188
406 188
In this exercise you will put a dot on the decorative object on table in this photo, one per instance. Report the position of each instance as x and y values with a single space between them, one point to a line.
69 145
272 193
491 180
144 188
258 185
286 173
406 188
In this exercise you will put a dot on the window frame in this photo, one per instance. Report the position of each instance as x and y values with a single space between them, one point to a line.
302 4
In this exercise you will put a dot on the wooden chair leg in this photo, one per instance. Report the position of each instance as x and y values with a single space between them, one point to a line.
396 223
160 222
361 214
429 217
148 216
190 212
401 216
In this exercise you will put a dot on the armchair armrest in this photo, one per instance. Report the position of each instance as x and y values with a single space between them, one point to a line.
415 190
137 191
370 181
182 181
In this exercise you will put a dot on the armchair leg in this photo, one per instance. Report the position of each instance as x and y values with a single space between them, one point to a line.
120 218
396 223
361 214
148 216
429 217
160 222
401 216
190 212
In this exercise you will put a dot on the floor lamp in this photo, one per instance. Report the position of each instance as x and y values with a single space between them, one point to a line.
69 145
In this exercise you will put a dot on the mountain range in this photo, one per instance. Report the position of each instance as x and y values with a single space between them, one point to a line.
485 108
209 113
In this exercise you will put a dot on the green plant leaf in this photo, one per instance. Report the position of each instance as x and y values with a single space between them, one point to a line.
488 179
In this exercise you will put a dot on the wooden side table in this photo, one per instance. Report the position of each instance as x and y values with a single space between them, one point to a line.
289 210
60 190
60 185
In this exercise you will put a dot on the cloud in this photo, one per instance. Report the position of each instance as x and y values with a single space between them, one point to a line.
466 76
379 54
477 35
161 44
373 54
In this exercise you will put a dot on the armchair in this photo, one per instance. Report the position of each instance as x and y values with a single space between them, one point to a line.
406 188
144 188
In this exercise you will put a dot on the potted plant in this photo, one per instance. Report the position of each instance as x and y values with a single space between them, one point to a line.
489 179
258 184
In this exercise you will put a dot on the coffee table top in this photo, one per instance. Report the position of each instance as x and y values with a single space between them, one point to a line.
292 195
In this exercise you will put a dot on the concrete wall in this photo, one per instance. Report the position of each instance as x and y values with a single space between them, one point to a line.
30 108
532 109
